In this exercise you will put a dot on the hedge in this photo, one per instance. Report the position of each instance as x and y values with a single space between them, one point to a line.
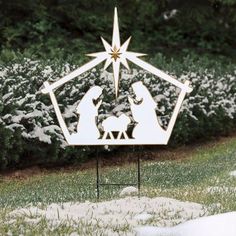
29 129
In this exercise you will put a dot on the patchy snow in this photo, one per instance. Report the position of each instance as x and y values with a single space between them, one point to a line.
170 14
143 217
217 225
111 217
41 135
129 191
233 173
221 189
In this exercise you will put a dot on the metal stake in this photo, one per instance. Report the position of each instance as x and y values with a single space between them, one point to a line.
98 180
138 184
139 175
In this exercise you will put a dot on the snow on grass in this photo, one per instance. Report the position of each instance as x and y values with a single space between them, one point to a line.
233 173
115 216
221 189
217 225
143 217
129 191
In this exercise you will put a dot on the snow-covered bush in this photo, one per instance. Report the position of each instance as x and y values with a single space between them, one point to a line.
30 132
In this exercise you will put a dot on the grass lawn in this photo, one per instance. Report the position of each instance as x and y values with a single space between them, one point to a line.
203 177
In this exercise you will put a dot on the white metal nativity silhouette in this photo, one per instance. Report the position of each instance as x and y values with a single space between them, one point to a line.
146 130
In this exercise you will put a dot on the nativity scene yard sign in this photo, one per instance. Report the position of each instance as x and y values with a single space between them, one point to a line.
144 121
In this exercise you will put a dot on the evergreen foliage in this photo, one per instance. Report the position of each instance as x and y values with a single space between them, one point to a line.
43 28
29 129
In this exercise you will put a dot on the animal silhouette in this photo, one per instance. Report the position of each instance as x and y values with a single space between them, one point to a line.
114 123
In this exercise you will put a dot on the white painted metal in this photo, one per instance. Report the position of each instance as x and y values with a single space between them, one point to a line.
147 129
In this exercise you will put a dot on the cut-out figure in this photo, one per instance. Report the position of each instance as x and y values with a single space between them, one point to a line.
118 124
144 113
88 112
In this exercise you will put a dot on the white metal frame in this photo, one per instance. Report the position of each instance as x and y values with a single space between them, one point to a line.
115 54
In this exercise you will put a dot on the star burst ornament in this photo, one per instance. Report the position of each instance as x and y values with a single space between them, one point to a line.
115 53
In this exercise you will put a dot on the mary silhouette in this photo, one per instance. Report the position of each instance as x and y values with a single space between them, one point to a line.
143 109
88 112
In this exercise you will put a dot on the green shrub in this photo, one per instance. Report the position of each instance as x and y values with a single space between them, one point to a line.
29 129
60 28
